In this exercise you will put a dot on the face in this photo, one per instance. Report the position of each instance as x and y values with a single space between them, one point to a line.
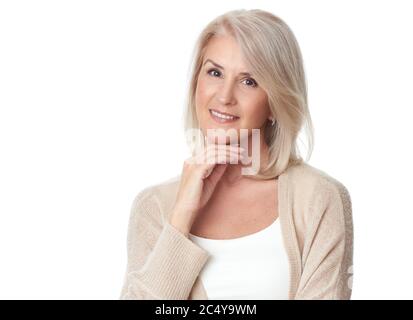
227 95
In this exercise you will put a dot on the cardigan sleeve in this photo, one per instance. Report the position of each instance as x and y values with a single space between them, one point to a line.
328 254
162 263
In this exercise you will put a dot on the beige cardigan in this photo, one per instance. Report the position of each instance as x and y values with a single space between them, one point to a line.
315 214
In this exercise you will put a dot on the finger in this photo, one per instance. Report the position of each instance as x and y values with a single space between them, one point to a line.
223 145
222 159
223 156
215 148
216 173
213 154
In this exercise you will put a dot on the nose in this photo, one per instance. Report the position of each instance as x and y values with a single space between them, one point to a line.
226 92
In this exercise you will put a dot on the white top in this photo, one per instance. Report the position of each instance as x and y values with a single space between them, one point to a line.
253 267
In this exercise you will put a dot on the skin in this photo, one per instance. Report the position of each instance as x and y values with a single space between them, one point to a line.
229 91
215 199
231 211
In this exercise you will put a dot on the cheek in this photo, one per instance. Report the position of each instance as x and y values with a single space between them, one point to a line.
204 92
201 99
255 112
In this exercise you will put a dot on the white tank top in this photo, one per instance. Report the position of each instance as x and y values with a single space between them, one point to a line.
253 267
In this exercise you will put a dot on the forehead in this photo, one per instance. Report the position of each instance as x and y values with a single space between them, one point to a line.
225 51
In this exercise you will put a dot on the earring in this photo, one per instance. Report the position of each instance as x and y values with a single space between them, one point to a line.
272 121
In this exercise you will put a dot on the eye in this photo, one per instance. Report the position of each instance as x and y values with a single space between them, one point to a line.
209 71
254 83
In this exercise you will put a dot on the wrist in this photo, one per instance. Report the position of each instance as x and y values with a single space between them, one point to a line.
179 224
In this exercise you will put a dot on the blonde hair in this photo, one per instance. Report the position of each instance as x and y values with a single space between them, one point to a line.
273 54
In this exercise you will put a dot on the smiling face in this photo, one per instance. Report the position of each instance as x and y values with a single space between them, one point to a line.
227 96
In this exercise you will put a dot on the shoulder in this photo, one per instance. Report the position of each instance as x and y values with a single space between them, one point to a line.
320 207
304 178
311 187
147 212
156 199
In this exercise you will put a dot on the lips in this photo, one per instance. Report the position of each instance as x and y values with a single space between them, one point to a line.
222 117
224 113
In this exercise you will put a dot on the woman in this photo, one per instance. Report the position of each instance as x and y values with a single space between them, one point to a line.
213 232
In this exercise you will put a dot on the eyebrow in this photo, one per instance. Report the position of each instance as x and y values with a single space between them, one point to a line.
221 67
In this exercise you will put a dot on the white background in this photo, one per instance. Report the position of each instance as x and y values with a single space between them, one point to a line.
91 104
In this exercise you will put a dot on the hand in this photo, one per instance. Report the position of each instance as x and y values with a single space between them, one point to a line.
199 178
